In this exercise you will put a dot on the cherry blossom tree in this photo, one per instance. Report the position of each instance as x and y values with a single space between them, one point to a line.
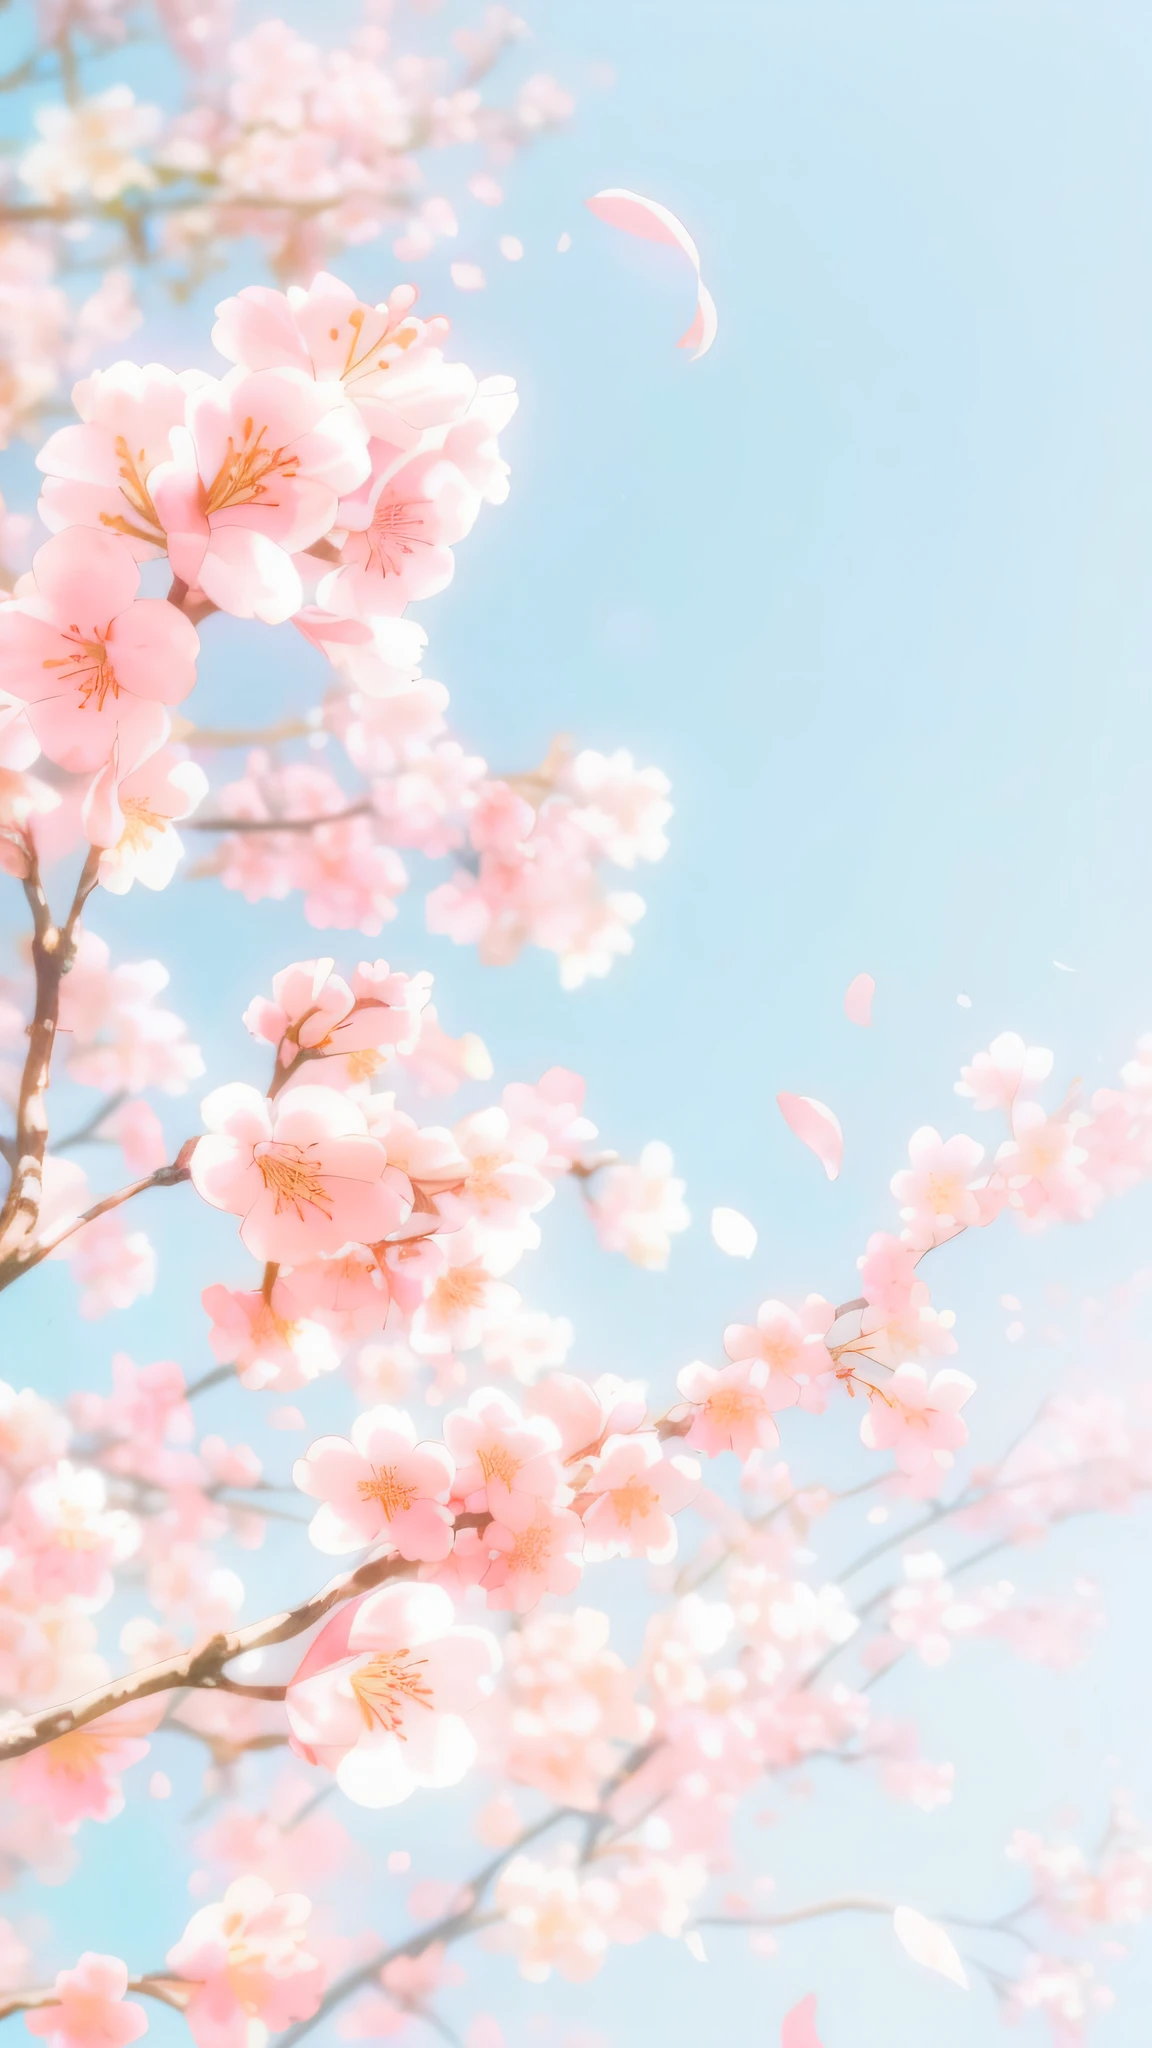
487 1486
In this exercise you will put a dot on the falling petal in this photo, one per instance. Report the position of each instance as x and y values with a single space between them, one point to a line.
858 999
733 1233
816 1127
651 222
928 1945
564 244
1064 969
694 1943
467 277
511 248
485 189
965 1002
799 2029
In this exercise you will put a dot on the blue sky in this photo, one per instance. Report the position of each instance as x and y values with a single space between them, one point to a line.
871 584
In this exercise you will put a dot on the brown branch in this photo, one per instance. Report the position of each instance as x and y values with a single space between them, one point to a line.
850 1904
168 1989
202 1668
88 1131
465 1919
196 736
356 810
21 1261
53 950
215 1378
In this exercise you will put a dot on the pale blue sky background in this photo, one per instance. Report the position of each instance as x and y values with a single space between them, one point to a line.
871 584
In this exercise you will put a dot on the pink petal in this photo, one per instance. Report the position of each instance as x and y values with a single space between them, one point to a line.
86 576
799 2029
816 1127
705 321
858 999
651 222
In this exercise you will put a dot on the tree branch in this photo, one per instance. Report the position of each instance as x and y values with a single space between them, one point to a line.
53 950
197 736
356 810
465 1919
20 1262
89 1129
202 1668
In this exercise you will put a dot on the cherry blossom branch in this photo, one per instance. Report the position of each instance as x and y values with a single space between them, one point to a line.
215 1378
20 1262
158 1987
198 736
821 1910
203 1668
462 1920
88 1132
53 950
356 810
223 1752
824 1908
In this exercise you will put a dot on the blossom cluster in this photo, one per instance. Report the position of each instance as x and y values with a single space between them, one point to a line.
309 151
324 479
468 1485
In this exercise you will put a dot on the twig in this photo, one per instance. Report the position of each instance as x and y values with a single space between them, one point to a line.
196 736
88 1130
356 810
200 1668
20 1261
53 949
208 1380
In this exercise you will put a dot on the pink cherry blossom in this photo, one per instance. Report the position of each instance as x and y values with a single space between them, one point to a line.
119 1039
935 1194
382 1484
918 1418
315 1010
255 478
248 1959
401 525
1042 1166
96 474
791 1346
95 664
268 1340
132 818
464 1302
384 1695
585 1412
91 2012
638 1209
1008 1071
552 1918
66 1536
554 1108
537 1550
734 1406
77 1777
303 1172
635 1490
389 363
112 1264
500 1453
